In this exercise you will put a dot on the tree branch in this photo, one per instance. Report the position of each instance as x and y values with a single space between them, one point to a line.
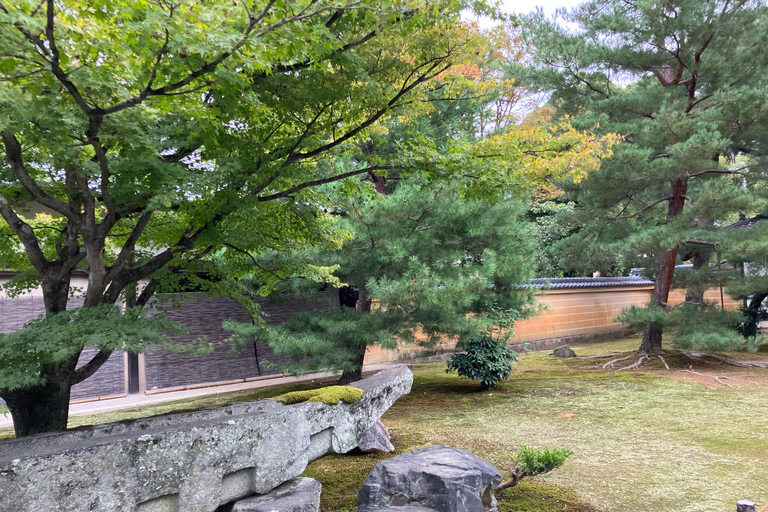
700 242
128 246
720 171
307 184
26 235
428 75
641 211
13 154
91 367
55 61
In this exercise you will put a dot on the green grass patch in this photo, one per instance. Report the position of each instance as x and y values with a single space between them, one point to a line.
537 496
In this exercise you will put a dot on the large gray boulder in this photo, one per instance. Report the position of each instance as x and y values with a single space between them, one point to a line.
376 440
189 462
433 479
297 495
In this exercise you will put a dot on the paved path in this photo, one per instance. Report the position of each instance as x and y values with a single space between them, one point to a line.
139 400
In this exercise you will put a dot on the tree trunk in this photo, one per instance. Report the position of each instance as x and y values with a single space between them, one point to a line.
699 258
39 409
665 269
347 376
45 408
750 312
348 297
356 298
699 255
55 294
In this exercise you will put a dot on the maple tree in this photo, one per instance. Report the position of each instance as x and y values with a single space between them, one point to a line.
169 140
181 135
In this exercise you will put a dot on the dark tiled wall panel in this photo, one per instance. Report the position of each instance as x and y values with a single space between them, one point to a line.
108 381
14 313
204 316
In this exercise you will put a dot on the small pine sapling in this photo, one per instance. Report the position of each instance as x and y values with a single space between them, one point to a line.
534 461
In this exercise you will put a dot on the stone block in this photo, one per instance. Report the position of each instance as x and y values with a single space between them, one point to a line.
189 462
564 351
297 495
376 440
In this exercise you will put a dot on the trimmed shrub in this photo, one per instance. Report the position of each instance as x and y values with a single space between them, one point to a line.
486 359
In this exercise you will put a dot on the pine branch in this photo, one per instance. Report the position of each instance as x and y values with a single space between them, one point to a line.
640 211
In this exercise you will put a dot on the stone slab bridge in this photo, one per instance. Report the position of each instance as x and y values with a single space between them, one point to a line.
188 462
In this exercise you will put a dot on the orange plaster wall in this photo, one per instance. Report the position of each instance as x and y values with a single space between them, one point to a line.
579 311
566 313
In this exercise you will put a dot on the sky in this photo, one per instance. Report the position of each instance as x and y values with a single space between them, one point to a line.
527 6
549 6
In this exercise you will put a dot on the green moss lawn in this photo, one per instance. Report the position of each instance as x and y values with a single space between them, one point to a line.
646 440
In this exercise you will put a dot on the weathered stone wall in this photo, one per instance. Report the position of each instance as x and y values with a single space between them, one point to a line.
190 462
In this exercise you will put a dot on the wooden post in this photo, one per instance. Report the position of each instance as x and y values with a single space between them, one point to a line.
745 506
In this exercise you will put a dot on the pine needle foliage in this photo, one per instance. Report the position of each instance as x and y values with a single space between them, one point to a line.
486 359
434 267
537 461
687 95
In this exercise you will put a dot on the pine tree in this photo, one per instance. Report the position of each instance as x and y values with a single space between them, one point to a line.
467 128
427 265
684 82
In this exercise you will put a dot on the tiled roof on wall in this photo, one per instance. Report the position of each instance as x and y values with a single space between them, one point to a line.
564 283
747 222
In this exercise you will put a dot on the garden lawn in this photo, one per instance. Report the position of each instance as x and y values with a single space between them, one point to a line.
645 440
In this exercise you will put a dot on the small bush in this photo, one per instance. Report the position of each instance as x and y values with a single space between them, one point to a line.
486 359
534 461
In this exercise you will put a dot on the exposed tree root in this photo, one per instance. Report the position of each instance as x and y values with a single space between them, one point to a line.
611 363
716 378
719 378
698 356
663 361
599 356
636 364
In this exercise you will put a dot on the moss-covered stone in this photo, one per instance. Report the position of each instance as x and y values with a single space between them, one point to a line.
331 395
